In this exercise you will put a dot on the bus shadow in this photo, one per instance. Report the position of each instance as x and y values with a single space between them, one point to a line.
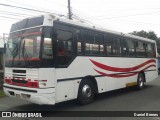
73 104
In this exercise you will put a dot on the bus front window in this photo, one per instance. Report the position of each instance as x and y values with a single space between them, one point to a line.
23 50
12 48
30 47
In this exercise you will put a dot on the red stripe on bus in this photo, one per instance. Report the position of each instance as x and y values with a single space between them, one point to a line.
121 75
116 69
27 34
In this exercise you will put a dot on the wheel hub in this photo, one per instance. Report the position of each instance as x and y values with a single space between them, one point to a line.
140 82
86 91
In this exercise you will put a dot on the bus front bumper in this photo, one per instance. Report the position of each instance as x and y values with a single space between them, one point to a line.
37 96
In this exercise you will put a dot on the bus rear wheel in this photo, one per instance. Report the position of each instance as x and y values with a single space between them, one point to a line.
86 92
140 81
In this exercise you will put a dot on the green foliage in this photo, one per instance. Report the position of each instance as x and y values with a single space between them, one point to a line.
2 93
150 35
142 33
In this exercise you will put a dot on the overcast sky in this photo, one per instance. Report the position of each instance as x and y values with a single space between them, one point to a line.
118 15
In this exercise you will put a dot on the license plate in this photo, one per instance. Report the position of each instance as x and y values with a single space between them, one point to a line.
18 96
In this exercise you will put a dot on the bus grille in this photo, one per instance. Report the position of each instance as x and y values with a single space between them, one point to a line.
19 74
19 81
22 77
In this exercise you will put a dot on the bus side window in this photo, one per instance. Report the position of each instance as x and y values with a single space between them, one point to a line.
79 43
150 50
131 48
79 48
140 49
113 46
128 48
89 43
98 47
109 47
125 47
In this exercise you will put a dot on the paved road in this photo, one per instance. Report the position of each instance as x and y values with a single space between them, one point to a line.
130 99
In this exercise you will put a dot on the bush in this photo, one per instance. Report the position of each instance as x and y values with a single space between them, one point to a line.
2 93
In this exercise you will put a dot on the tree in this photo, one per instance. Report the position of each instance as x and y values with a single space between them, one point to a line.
150 35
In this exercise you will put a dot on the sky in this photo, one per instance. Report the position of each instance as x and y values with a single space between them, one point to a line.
117 15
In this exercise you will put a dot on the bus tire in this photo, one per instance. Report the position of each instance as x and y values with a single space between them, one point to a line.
86 92
140 81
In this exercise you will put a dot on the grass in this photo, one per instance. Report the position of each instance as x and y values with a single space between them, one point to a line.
2 93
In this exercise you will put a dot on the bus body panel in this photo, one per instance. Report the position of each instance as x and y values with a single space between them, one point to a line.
68 79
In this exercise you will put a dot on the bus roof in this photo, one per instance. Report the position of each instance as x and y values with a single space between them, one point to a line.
84 25
50 18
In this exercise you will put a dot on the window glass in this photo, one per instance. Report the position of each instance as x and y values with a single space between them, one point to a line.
79 48
48 53
93 44
102 49
89 41
150 50
128 48
99 44
95 49
88 48
30 46
113 46
64 47
140 49
79 43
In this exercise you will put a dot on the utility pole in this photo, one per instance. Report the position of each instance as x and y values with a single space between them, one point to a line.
69 10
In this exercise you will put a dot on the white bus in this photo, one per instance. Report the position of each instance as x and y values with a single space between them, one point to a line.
50 59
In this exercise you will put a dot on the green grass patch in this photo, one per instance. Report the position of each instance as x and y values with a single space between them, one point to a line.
2 93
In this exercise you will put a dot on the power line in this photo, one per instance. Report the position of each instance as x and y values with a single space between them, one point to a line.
35 10
56 3
81 14
12 13
35 7
9 17
29 9
137 22
127 15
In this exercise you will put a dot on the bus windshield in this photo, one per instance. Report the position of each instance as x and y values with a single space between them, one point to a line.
23 50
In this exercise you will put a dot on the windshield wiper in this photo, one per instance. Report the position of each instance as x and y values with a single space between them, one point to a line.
14 52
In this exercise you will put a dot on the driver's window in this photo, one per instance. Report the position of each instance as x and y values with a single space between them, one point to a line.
64 47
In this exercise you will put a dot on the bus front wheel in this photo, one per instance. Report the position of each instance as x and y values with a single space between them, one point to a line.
140 81
86 92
